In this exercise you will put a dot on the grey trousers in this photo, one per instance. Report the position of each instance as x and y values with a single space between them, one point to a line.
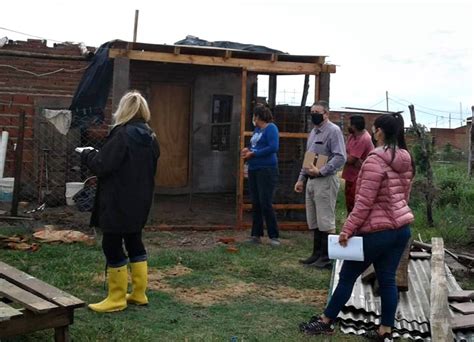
321 196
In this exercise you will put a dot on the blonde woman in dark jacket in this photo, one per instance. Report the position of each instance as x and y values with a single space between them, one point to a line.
125 167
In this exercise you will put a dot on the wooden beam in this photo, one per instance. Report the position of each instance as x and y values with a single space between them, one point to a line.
324 80
41 55
284 206
186 227
31 322
121 80
463 322
292 226
272 90
316 88
461 296
439 310
329 68
240 177
464 308
284 135
252 65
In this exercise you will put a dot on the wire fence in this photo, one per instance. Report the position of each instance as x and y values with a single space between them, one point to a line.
50 175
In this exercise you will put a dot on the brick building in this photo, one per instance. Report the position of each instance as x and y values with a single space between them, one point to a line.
458 137
33 77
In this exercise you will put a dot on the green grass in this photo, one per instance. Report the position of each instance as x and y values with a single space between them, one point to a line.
452 210
249 318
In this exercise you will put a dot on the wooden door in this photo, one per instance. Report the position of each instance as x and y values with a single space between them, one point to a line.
170 114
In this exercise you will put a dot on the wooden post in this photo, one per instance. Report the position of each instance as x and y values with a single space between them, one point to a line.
18 164
61 334
272 90
470 149
305 92
316 88
439 310
121 79
324 79
240 177
429 188
135 26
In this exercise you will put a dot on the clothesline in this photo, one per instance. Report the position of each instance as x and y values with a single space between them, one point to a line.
44 74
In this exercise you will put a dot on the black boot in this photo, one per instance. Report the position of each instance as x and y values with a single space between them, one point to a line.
323 261
316 249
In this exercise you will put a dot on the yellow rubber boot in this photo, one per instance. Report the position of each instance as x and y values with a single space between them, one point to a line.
116 298
139 283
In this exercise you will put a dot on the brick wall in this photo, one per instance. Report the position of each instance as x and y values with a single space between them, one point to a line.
22 91
457 137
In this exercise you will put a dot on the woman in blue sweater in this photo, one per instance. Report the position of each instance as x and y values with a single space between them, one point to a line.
261 157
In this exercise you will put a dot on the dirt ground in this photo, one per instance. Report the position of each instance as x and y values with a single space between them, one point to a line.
159 281
170 210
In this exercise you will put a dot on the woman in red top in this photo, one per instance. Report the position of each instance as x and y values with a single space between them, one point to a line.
382 216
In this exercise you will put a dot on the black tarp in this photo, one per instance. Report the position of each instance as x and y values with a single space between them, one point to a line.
195 41
90 99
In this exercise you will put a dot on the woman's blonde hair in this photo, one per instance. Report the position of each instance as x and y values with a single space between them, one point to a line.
132 106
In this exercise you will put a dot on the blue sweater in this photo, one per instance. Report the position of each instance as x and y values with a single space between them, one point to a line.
264 143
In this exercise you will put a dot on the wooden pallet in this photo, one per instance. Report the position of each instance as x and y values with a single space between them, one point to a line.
28 304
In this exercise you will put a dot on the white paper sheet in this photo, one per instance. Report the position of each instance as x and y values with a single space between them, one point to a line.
353 251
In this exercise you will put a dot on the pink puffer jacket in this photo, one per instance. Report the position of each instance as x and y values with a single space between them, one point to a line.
382 193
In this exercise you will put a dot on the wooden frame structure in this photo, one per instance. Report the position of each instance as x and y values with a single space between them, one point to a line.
271 64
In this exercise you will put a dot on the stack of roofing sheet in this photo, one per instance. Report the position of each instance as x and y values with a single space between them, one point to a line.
363 310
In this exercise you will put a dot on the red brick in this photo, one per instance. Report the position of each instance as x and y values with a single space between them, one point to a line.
5 121
21 99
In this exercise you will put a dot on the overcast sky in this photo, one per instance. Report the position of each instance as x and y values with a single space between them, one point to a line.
418 51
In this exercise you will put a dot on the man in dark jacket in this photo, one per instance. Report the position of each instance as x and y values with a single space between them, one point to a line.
125 167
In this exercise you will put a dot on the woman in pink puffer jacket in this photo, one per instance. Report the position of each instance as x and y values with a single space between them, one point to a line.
381 215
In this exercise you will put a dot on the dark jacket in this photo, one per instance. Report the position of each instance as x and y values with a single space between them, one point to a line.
125 167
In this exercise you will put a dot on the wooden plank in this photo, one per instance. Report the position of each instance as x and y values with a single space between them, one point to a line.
29 300
121 80
38 287
462 322
284 206
402 270
31 322
439 310
461 296
186 227
170 116
249 64
369 275
284 135
291 226
465 308
240 177
420 255
7 312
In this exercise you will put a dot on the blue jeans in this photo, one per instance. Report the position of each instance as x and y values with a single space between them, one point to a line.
262 184
384 249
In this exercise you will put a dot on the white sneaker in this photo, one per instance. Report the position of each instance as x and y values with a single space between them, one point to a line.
275 242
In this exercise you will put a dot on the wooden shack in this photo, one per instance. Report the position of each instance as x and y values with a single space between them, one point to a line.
201 101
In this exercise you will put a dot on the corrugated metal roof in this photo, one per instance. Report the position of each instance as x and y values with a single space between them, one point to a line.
362 311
